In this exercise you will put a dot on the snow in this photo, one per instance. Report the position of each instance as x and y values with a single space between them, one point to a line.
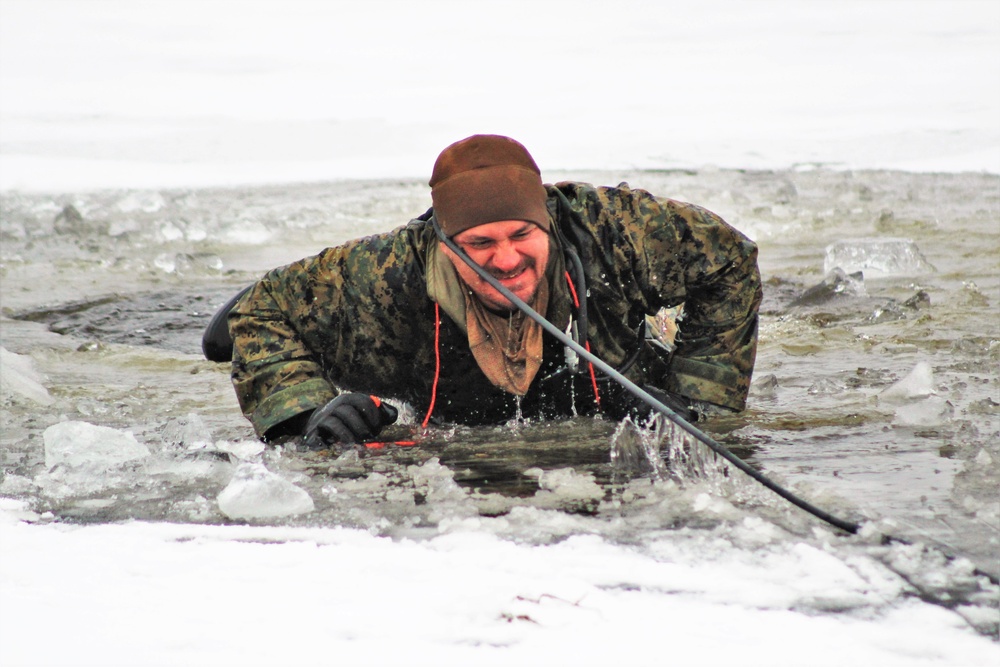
257 596
160 94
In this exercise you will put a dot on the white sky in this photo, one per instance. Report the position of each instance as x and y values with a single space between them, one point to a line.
162 93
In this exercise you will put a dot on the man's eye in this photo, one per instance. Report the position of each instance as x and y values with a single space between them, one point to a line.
478 245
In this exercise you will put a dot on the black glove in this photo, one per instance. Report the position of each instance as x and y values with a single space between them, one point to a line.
639 410
348 419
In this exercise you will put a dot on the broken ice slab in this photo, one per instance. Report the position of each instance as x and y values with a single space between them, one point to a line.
835 284
764 386
876 257
931 411
918 383
79 444
257 493
19 379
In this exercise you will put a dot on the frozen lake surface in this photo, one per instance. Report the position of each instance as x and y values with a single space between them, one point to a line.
874 398
153 162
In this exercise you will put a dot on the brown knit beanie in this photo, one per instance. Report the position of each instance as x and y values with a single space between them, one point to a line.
486 178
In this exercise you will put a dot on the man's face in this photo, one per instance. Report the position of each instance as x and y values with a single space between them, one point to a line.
514 252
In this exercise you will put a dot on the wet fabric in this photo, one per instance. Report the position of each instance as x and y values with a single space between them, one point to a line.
358 317
508 348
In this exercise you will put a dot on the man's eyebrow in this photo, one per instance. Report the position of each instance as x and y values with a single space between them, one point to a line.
526 227
475 238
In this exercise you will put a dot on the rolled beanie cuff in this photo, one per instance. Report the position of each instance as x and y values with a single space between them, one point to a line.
490 194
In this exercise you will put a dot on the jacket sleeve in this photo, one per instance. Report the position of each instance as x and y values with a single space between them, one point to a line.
275 375
689 255
347 319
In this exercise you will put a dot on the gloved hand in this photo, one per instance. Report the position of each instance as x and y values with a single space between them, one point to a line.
678 404
348 419
640 411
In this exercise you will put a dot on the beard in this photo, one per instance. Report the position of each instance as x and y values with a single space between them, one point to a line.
496 302
525 279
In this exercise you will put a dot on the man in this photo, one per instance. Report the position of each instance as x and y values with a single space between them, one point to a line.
401 315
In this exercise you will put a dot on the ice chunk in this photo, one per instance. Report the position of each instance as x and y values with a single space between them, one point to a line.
183 263
713 504
437 482
170 232
247 232
876 257
764 386
931 411
83 445
189 432
257 493
565 486
147 202
837 283
435 488
245 450
17 485
195 233
825 386
919 383
18 378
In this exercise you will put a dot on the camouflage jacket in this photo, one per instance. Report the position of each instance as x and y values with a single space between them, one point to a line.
357 317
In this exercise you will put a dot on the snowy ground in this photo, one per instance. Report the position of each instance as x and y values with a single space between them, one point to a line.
194 595
158 94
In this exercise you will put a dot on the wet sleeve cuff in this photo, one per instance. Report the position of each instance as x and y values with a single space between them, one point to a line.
289 402
708 382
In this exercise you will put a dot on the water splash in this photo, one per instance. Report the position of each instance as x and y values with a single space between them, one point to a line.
663 451
635 452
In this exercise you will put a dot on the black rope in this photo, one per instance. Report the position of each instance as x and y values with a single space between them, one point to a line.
638 392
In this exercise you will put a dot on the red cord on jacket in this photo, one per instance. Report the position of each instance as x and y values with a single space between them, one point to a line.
437 363
586 343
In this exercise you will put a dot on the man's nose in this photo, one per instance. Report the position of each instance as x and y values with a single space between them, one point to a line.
506 257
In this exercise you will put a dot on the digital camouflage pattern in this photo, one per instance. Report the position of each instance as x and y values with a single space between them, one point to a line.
357 317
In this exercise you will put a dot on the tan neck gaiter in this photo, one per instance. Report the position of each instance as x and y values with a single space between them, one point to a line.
508 348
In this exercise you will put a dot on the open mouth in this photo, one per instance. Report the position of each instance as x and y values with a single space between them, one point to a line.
511 276
516 284
511 280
